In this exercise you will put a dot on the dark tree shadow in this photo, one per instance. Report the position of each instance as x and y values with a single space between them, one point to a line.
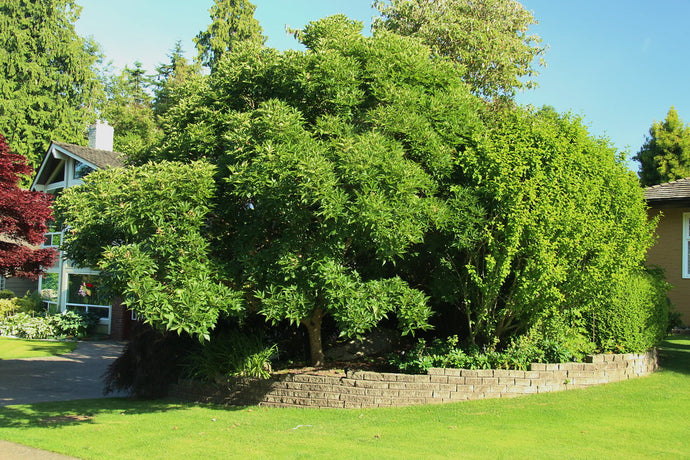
675 356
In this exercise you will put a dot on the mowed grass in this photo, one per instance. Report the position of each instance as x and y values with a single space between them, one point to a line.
640 418
11 348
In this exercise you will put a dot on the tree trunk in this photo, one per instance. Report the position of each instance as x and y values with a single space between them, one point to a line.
313 326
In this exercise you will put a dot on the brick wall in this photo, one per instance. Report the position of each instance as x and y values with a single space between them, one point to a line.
360 389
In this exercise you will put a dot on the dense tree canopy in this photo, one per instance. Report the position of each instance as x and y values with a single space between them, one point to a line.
488 39
23 218
144 228
362 180
48 86
665 155
129 110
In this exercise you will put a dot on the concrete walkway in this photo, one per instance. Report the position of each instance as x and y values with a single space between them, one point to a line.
75 375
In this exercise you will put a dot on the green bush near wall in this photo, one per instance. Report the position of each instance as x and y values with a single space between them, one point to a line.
637 318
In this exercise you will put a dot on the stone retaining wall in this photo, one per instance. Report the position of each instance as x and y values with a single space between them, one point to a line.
360 389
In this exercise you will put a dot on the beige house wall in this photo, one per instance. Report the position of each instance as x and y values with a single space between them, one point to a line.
667 253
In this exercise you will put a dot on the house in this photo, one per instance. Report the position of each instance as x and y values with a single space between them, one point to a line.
65 286
671 203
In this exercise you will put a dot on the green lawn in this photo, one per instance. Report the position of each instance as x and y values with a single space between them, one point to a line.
641 418
19 348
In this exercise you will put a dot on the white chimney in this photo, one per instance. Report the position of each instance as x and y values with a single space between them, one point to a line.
101 136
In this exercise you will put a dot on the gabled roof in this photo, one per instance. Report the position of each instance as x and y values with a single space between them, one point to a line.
99 158
677 190
58 151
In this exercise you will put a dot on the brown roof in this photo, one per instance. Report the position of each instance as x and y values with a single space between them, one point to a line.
670 191
100 158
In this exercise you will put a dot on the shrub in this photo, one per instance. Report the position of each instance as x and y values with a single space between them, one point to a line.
6 294
30 303
26 326
445 353
231 354
72 323
638 316
7 307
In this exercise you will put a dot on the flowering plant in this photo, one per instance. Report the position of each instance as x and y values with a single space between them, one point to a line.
85 289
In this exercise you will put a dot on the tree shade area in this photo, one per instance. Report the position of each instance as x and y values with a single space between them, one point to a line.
665 155
362 181
23 218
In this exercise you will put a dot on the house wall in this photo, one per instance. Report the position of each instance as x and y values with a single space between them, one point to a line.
20 286
667 254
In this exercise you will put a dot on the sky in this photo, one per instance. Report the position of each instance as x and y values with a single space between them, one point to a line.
619 64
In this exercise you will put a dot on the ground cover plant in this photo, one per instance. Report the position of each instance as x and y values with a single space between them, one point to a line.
609 421
43 326
11 348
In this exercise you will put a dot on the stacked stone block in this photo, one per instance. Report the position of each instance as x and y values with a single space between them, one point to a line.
361 389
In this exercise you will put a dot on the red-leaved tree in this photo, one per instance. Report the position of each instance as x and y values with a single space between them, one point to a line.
23 218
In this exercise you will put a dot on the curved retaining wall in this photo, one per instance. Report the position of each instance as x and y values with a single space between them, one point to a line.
360 389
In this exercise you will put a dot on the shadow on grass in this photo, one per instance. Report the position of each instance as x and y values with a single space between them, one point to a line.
67 413
674 354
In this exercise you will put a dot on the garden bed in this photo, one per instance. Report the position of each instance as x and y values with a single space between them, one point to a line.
347 388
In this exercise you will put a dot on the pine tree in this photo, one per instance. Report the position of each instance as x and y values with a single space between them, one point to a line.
232 22
129 110
23 217
665 155
48 85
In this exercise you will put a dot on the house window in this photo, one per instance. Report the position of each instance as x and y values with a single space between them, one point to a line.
81 169
686 245
2 283
84 294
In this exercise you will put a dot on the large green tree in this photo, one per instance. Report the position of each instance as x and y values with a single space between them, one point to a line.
48 86
232 22
489 39
565 229
129 110
331 161
144 227
665 155
169 77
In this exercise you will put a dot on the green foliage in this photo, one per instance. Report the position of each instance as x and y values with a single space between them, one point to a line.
74 324
7 307
170 77
331 162
143 228
638 315
47 80
487 39
129 110
6 294
564 218
231 354
30 303
27 326
232 22
665 155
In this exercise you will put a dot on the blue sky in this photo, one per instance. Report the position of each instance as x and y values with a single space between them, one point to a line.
620 64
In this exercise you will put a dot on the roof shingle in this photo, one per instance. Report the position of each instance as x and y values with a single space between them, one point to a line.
100 158
669 191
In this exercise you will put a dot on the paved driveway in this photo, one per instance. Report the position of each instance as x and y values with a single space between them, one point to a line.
76 375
